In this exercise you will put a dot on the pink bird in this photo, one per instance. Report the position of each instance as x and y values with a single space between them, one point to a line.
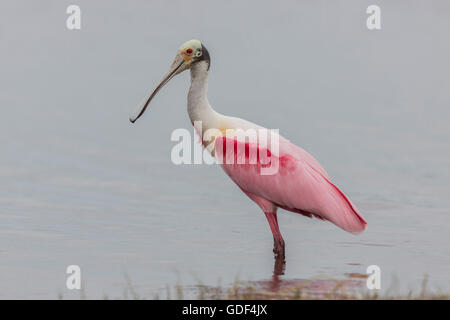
298 183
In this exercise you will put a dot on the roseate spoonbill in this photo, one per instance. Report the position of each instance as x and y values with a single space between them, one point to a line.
301 185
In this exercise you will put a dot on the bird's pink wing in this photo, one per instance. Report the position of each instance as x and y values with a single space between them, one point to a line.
287 147
298 184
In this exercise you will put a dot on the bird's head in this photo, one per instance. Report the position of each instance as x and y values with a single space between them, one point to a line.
191 52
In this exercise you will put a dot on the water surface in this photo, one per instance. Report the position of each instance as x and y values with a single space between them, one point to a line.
81 185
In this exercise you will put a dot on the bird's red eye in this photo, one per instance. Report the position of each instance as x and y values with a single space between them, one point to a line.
189 51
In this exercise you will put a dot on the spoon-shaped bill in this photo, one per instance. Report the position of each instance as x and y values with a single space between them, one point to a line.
178 66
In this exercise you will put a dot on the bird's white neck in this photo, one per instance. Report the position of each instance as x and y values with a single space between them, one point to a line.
199 108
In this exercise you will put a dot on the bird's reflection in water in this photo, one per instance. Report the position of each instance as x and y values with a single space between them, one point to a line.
350 286
321 286
278 270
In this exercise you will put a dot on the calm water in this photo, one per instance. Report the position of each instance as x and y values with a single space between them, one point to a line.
81 185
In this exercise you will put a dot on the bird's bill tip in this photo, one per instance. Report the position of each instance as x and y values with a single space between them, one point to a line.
136 114
133 117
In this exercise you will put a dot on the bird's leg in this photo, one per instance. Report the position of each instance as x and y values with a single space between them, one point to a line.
278 242
279 266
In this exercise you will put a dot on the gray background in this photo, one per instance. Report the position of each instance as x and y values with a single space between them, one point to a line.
81 185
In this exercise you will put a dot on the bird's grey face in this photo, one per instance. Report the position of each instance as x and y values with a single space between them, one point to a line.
189 53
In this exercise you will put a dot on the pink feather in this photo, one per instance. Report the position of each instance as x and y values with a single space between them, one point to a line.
300 185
